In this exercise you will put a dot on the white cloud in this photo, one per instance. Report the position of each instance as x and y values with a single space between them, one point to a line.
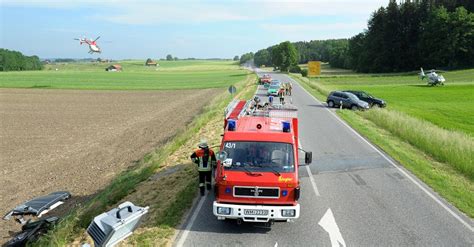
153 13
313 31
323 27
159 12
50 3
321 7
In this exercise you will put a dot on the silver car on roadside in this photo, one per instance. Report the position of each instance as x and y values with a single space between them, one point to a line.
347 100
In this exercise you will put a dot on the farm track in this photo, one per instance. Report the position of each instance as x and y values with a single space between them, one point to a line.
79 140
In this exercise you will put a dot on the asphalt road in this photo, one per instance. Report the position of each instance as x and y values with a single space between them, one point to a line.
352 194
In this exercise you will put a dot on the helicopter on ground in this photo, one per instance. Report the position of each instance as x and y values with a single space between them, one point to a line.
93 47
433 78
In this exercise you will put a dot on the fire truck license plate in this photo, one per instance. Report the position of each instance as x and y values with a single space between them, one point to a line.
255 212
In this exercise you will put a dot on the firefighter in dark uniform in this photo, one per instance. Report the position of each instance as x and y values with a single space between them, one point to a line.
206 160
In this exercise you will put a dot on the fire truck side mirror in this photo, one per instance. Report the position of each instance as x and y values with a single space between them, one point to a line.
308 158
221 156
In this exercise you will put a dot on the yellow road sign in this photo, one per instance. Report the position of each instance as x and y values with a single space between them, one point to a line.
314 68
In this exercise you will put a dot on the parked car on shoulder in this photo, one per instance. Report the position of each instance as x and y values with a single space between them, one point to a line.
348 100
368 98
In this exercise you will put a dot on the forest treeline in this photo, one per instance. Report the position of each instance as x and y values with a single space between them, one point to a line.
400 37
16 61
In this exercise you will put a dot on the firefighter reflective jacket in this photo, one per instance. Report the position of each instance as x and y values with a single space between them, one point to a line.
204 158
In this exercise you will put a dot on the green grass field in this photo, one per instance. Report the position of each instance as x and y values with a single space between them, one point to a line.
450 106
170 75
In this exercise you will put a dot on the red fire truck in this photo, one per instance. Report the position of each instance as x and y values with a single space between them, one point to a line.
256 179
265 79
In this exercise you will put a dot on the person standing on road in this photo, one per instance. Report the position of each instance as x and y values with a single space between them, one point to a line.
281 94
205 160
290 87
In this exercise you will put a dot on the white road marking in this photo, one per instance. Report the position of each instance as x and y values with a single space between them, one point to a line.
313 183
328 223
276 244
449 210
310 174
185 233
183 237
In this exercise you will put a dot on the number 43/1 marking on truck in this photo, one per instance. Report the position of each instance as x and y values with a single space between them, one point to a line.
230 145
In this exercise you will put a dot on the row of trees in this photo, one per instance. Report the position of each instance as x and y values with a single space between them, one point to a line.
169 57
284 56
316 50
246 57
399 37
16 61
403 37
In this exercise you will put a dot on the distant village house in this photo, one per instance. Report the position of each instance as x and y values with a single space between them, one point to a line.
114 68
150 62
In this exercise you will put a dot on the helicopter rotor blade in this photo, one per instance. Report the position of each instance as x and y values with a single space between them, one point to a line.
96 38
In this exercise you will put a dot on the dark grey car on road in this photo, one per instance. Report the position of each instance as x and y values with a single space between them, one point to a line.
348 100
368 98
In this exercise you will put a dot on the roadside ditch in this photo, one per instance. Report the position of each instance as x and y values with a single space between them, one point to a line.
165 180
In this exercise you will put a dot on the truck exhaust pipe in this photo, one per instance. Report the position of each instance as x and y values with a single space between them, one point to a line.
239 221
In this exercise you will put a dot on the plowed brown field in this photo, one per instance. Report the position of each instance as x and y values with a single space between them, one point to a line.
78 140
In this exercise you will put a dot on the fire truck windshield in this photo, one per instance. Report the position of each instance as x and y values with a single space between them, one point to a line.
259 156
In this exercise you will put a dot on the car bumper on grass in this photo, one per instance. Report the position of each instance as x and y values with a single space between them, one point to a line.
255 213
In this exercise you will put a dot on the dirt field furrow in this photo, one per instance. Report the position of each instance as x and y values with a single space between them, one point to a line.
78 140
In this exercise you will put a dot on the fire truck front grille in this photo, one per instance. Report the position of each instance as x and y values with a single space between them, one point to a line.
259 192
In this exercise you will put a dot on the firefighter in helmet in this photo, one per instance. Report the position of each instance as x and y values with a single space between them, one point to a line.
205 159
281 94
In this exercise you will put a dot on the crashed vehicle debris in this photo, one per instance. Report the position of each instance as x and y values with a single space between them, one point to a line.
37 206
109 228
31 229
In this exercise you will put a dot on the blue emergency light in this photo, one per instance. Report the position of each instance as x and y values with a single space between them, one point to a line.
231 124
286 126
284 192
228 190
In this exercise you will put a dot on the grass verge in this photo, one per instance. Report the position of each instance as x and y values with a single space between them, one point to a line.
127 182
442 177
452 147
319 91
442 159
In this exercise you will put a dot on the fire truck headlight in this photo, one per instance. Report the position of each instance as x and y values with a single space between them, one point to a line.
223 210
288 212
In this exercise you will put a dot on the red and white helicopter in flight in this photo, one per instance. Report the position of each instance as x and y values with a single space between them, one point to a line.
93 47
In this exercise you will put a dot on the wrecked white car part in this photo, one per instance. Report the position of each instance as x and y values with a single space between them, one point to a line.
109 228
38 206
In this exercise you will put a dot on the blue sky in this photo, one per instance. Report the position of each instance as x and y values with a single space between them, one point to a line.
203 29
